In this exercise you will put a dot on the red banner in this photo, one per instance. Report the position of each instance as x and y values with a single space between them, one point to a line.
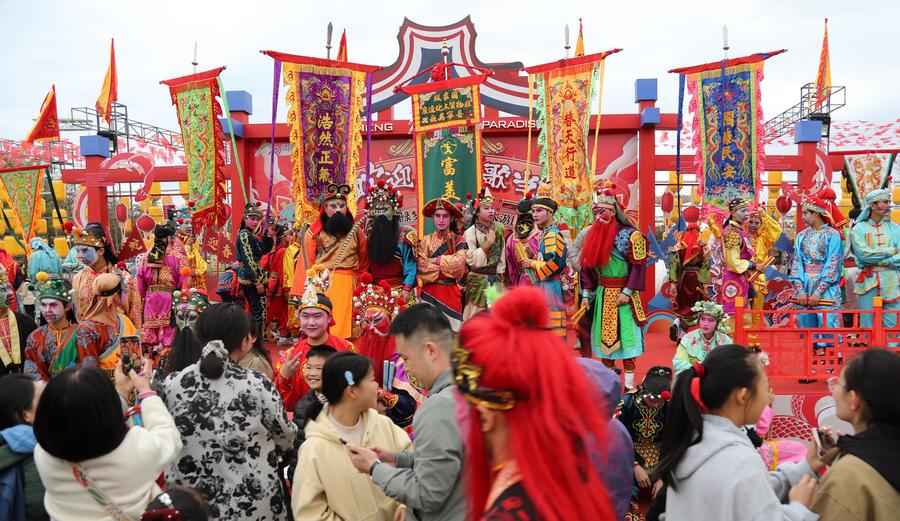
46 128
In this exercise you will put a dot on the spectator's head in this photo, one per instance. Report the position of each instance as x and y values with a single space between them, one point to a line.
866 390
518 403
348 379
178 504
19 397
224 331
424 340
79 415
731 382
315 361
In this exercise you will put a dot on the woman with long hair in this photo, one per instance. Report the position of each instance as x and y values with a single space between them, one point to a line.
709 464
19 396
232 421
863 481
258 358
326 485
535 434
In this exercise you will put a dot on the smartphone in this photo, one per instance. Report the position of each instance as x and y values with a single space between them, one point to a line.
817 438
131 353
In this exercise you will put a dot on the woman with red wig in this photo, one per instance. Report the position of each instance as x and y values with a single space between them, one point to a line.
534 435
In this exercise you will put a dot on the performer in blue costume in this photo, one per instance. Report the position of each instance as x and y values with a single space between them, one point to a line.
551 261
817 265
875 241
249 249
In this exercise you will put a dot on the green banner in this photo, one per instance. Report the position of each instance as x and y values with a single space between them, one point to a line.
447 163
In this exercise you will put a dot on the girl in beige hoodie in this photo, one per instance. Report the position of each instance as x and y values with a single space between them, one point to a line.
326 486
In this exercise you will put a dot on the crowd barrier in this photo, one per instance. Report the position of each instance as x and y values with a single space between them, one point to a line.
812 353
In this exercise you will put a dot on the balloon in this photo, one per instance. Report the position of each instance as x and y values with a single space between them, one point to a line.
667 202
121 213
145 223
783 205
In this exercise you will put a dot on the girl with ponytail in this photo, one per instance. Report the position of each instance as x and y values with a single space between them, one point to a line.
708 462
232 422
534 434
326 485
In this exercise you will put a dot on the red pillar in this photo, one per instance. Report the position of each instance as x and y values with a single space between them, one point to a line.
645 96
95 150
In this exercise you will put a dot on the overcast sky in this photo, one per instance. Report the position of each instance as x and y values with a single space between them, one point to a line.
67 43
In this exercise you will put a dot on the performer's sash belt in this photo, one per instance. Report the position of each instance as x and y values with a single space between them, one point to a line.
613 282
446 282
813 269
159 287
485 271
867 272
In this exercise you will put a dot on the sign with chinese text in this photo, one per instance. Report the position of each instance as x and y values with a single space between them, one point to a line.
454 107
450 162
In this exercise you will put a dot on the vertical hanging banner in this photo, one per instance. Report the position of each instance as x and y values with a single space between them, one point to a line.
566 90
868 172
728 127
20 191
325 104
446 115
198 109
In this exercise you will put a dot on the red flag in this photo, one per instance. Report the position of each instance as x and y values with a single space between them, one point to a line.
133 245
342 47
110 91
46 128
823 76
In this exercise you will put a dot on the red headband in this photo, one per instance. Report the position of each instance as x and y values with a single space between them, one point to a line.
699 372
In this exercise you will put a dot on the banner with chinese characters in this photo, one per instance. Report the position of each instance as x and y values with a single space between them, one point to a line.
447 140
448 161
325 109
728 128
454 107
867 172
198 109
566 91
20 191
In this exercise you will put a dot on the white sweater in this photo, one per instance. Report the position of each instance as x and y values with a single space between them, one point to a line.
127 475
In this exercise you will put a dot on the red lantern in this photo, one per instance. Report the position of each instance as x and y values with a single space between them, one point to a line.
667 202
145 223
783 205
691 214
121 213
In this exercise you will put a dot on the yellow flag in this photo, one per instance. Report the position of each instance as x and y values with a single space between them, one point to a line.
823 76
579 45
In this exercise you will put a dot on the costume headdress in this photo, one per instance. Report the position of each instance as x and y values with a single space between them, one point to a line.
91 235
815 203
384 199
54 288
524 220
711 309
186 301
485 198
467 377
335 192
656 383
380 297
737 203
318 280
544 198
252 210
441 204
882 194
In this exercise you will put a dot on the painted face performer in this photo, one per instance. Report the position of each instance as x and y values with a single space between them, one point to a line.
187 306
612 276
876 245
522 246
390 248
93 250
737 253
14 329
710 334
485 254
441 261
817 265
250 248
52 348
316 314
550 261
158 276
336 242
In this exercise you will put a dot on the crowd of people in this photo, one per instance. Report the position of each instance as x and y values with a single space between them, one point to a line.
356 371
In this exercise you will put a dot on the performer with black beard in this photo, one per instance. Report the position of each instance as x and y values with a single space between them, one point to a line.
391 257
337 243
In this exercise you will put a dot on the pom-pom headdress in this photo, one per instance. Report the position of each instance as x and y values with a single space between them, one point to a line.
92 236
55 288
485 198
711 309
384 199
380 297
657 383
186 301
738 203
252 210
318 280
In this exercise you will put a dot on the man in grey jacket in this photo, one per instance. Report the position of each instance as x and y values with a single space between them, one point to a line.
427 480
